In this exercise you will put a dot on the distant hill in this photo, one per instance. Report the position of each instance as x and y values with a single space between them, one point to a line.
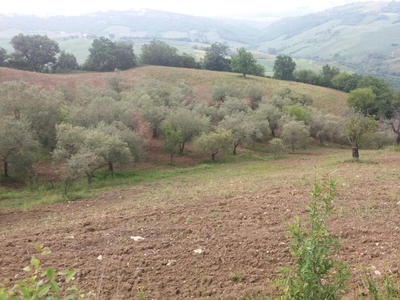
362 37
131 25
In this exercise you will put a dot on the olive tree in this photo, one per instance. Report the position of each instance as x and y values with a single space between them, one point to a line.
215 142
41 108
359 129
233 105
93 111
172 140
18 148
14 97
245 128
277 146
296 134
102 142
270 113
383 136
189 123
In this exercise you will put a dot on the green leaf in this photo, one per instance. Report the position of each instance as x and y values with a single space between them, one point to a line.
54 286
72 289
49 273
35 262
44 290
69 297
69 275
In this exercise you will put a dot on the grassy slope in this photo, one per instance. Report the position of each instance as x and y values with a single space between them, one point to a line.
202 82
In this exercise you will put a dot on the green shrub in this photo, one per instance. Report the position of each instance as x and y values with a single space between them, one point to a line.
277 146
316 274
387 288
44 284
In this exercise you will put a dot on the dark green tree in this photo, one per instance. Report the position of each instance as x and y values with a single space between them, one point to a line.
245 63
66 62
327 74
362 99
187 61
158 53
106 56
33 52
284 67
384 95
216 59
340 81
306 76
3 57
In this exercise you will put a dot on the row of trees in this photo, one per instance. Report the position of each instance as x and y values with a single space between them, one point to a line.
89 129
369 95
41 54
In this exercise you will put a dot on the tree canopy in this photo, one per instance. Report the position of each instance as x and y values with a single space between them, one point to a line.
158 53
33 52
106 56
244 62
359 128
66 62
216 59
213 143
3 57
17 146
284 67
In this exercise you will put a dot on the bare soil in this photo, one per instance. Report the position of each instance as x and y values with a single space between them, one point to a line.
237 215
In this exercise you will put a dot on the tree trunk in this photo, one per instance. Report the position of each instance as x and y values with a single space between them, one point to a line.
155 133
235 145
355 152
181 148
111 166
89 178
5 168
398 138
213 156
172 155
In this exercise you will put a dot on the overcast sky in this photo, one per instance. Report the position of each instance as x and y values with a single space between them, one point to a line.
203 8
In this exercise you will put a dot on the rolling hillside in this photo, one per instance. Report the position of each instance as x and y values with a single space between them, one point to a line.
361 37
201 81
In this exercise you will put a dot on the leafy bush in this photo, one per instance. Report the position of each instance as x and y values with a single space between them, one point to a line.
316 274
44 284
277 146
